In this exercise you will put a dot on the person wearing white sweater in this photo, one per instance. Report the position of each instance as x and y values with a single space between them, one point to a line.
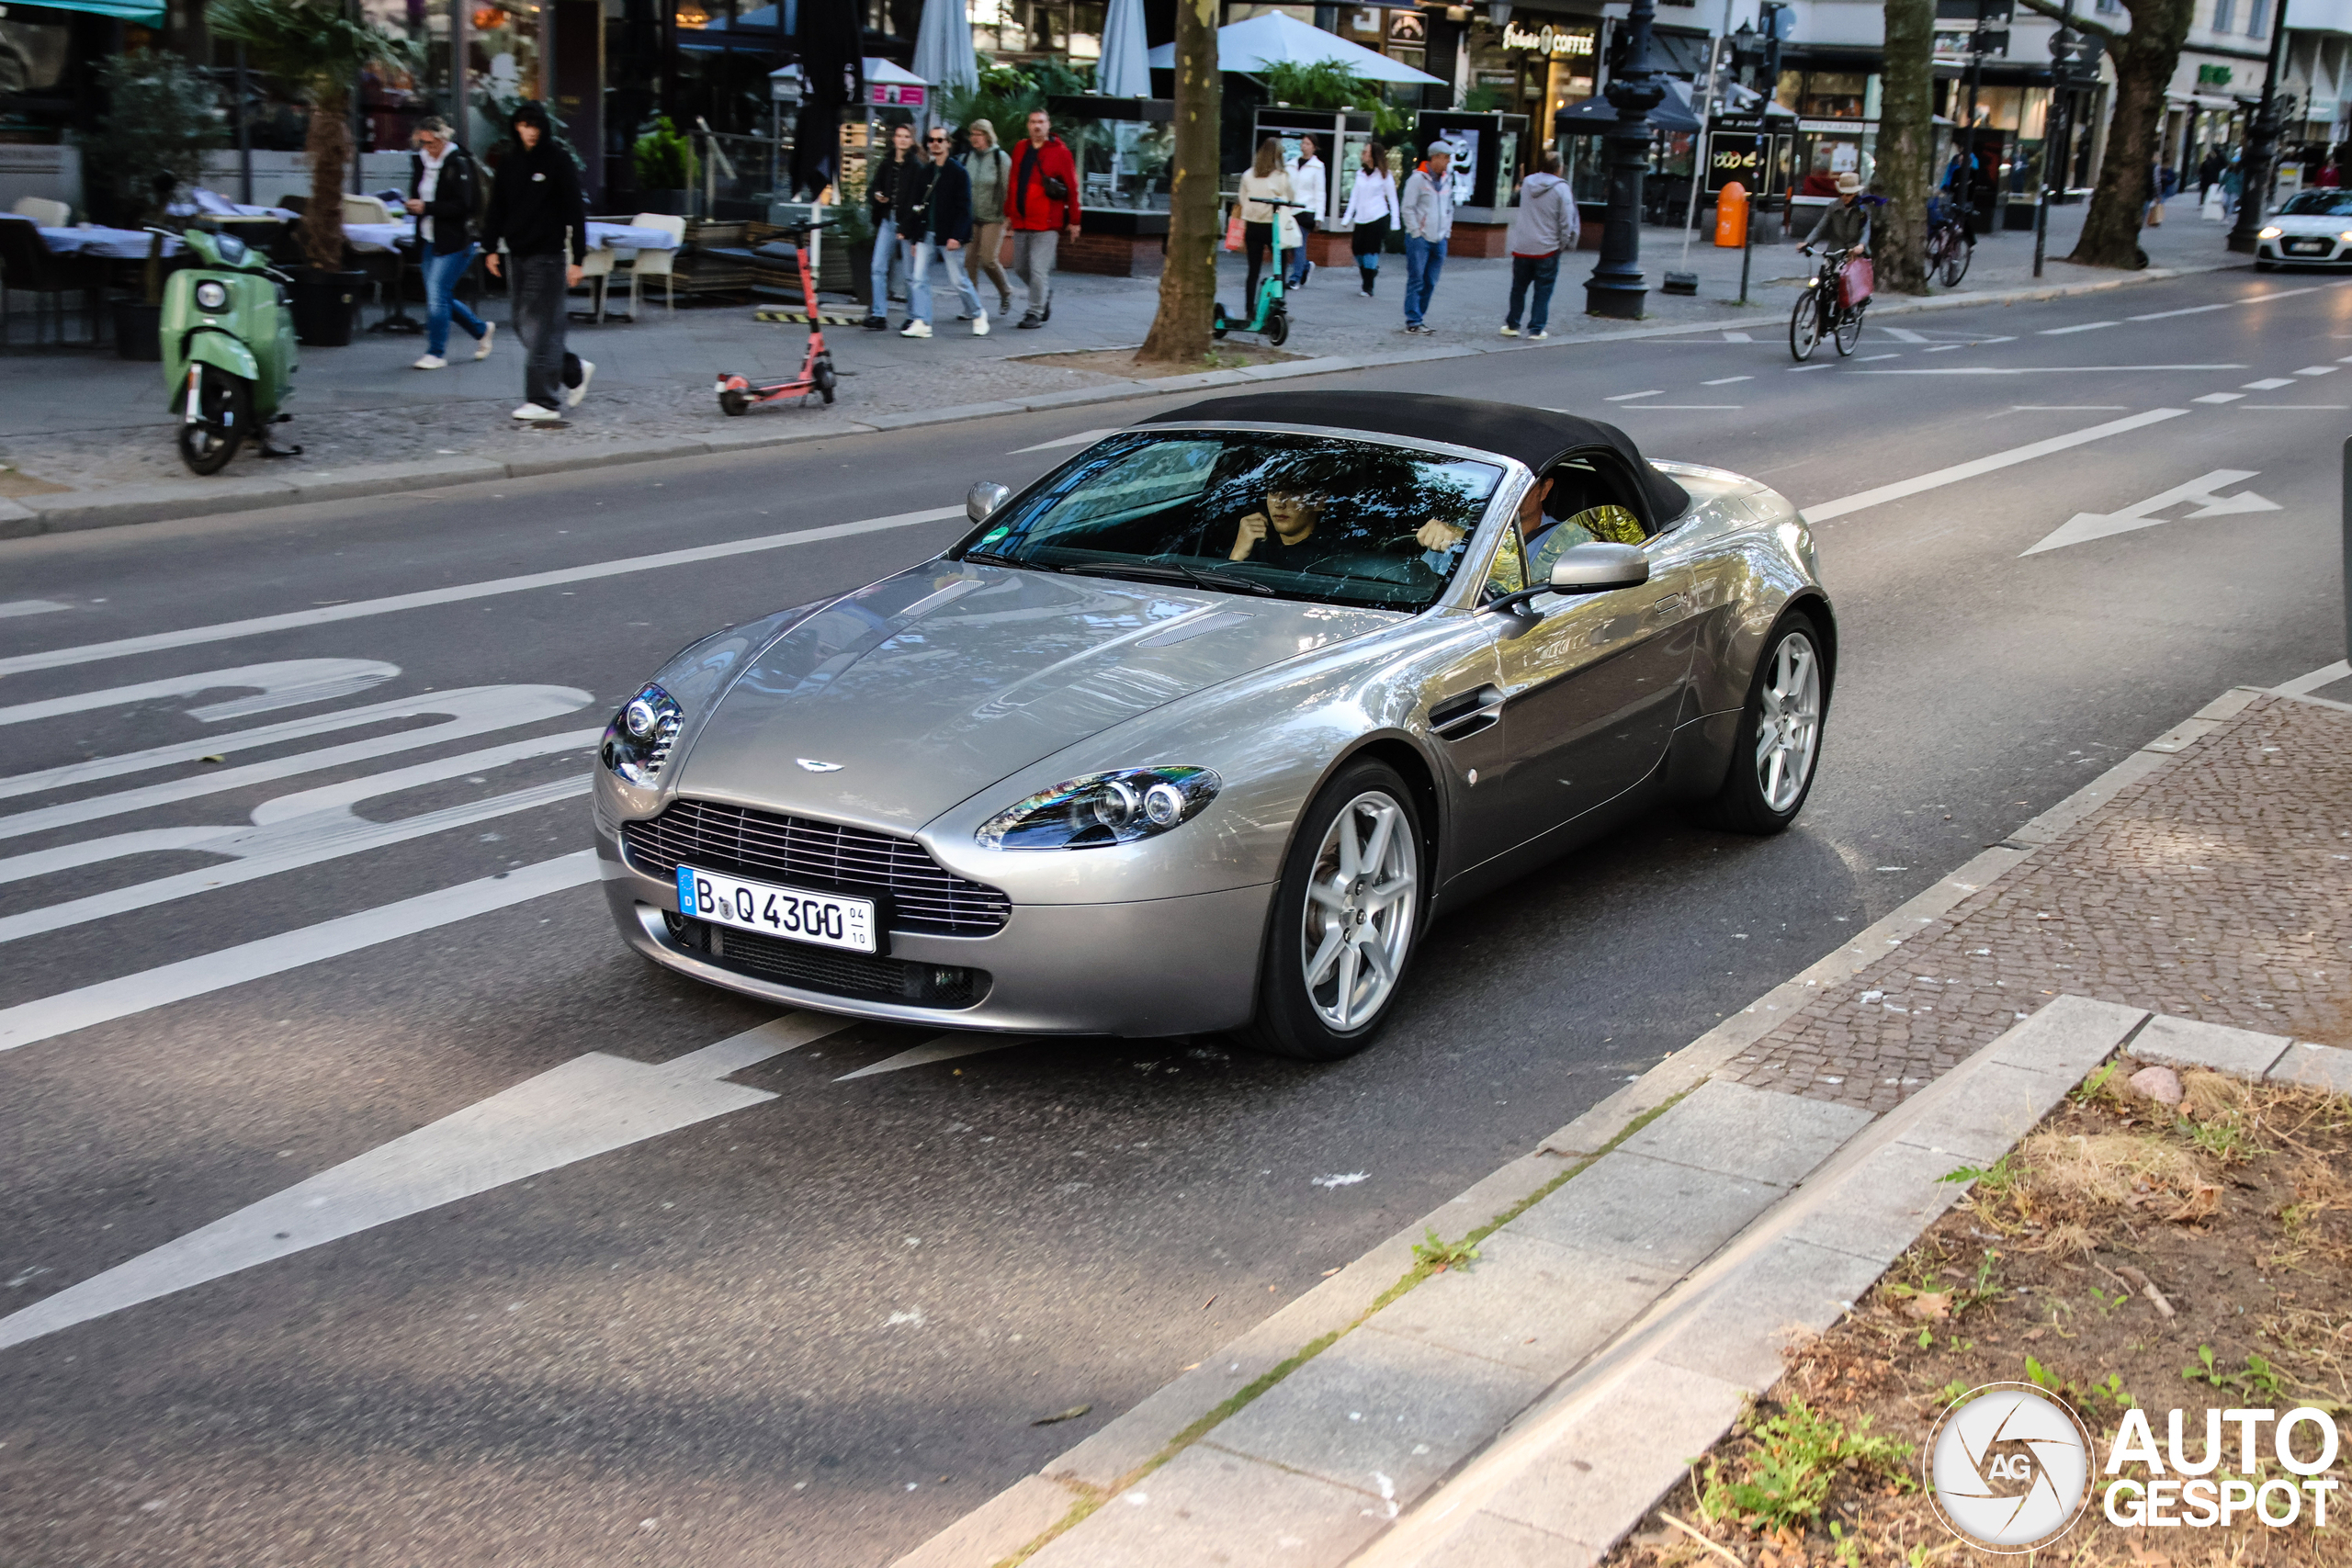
1372 207
1308 189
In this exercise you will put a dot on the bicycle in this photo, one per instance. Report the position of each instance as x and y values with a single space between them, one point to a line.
1951 247
1819 313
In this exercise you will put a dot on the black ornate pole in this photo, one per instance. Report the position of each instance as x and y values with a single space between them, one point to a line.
1615 288
2261 143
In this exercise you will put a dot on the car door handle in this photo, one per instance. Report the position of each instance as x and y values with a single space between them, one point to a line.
1464 714
1672 604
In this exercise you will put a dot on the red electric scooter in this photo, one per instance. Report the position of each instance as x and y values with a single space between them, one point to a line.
739 394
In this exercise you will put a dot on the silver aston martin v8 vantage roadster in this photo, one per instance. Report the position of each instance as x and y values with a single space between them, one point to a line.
1199 731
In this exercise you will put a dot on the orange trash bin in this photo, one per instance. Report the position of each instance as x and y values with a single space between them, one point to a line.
1731 216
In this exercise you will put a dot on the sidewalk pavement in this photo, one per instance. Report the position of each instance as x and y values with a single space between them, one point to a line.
91 438
1641 1274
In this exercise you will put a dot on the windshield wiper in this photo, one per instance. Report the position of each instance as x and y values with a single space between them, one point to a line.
1168 571
993 557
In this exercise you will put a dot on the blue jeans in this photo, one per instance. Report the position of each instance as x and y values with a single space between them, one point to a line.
929 254
441 301
1424 259
886 250
1540 271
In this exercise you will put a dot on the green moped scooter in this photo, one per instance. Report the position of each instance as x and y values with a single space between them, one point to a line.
229 354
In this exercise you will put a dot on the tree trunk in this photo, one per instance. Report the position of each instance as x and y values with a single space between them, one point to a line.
2145 60
1907 146
1179 333
329 146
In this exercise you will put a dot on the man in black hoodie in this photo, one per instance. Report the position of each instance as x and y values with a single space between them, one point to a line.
535 207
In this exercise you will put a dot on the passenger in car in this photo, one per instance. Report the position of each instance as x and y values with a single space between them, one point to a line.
1544 537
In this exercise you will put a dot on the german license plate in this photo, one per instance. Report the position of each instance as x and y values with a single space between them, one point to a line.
2307 247
795 914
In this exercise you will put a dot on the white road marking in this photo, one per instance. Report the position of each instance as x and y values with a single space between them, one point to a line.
1627 397
286 684
2218 397
2294 407
2316 370
2068 408
2268 384
1083 438
1866 358
467 711
1943 348
460 592
109 1000
1903 334
2039 369
1986 465
1737 337
944 1048
30 607
1726 380
2191 311
2082 327
1794 369
590 1105
2086 525
2303 685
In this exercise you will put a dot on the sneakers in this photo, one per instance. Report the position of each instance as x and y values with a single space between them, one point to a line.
1511 331
1366 294
1418 330
432 362
587 374
536 413
1025 323
915 329
979 326
489 331
876 323
1537 337
1004 304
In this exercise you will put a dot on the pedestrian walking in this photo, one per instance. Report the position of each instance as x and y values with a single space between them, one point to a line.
1543 225
882 200
535 211
989 168
1267 181
1427 207
937 224
1310 190
1042 211
444 193
2209 173
1372 207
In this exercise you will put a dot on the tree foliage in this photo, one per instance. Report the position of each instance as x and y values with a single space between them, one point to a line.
1328 85
161 113
2145 56
1907 146
317 52
1004 95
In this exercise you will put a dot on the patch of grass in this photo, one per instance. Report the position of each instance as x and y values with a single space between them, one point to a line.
1438 1255
1793 1459
2087 1092
1997 1180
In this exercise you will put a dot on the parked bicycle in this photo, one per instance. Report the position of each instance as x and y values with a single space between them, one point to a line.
1824 311
1951 247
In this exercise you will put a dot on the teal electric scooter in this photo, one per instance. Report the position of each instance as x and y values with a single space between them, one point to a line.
1271 318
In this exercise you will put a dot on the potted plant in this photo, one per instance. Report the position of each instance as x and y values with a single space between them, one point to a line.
667 170
162 114
317 52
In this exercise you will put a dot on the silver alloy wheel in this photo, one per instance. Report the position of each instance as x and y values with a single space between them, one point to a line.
1358 915
1788 730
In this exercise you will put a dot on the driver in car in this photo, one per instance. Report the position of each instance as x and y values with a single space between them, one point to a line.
1279 536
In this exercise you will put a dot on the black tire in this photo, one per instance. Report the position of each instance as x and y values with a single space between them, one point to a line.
1805 326
1218 325
1278 330
1741 805
225 412
2265 266
1849 331
734 402
1289 1022
1957 255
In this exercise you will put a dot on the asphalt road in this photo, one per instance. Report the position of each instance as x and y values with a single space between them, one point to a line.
818 1327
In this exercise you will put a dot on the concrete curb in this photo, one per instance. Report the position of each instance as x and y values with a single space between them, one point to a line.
1144 1436
75 511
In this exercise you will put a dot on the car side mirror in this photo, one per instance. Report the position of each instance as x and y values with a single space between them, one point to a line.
984 497
1597 567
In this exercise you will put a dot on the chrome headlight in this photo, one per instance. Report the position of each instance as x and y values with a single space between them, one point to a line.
1101 808
2268 231
638 740
210 295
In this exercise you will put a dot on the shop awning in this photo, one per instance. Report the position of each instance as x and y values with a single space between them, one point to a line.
148 13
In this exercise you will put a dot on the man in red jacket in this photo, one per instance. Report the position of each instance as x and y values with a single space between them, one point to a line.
1040 207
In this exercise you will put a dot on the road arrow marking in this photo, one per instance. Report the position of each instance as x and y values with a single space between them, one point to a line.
2087 525
944 1048
1991 463
591 1105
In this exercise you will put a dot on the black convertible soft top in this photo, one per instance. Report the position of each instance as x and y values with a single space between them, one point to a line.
1537 437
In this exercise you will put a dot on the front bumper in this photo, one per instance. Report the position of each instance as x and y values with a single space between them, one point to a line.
1184 965
2333 252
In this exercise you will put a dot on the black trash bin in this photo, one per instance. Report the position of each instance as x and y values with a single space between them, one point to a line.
325 305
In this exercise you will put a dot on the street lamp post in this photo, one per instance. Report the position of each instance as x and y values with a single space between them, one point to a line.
2056 144
2261 143
1615 288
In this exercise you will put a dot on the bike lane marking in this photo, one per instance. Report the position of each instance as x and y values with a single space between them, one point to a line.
1938 478
457 593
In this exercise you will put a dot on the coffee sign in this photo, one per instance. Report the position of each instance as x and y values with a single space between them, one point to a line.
1549 41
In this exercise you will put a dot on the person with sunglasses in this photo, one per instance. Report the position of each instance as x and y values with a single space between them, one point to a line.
936 220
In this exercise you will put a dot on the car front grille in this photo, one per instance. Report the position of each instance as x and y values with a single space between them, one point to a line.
2308 247
829 970
923 895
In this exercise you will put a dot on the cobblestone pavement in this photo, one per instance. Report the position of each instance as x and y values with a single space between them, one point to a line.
2216 888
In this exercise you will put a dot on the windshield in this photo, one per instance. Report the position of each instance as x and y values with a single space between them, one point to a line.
1251 512
2318 204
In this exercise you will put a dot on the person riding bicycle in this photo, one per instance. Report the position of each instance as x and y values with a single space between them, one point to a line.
1845 226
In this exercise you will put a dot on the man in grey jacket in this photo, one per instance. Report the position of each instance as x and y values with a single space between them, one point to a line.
1427 207
1543 225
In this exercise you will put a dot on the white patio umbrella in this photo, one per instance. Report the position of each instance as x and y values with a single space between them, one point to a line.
1124 71
1278 37
943 54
